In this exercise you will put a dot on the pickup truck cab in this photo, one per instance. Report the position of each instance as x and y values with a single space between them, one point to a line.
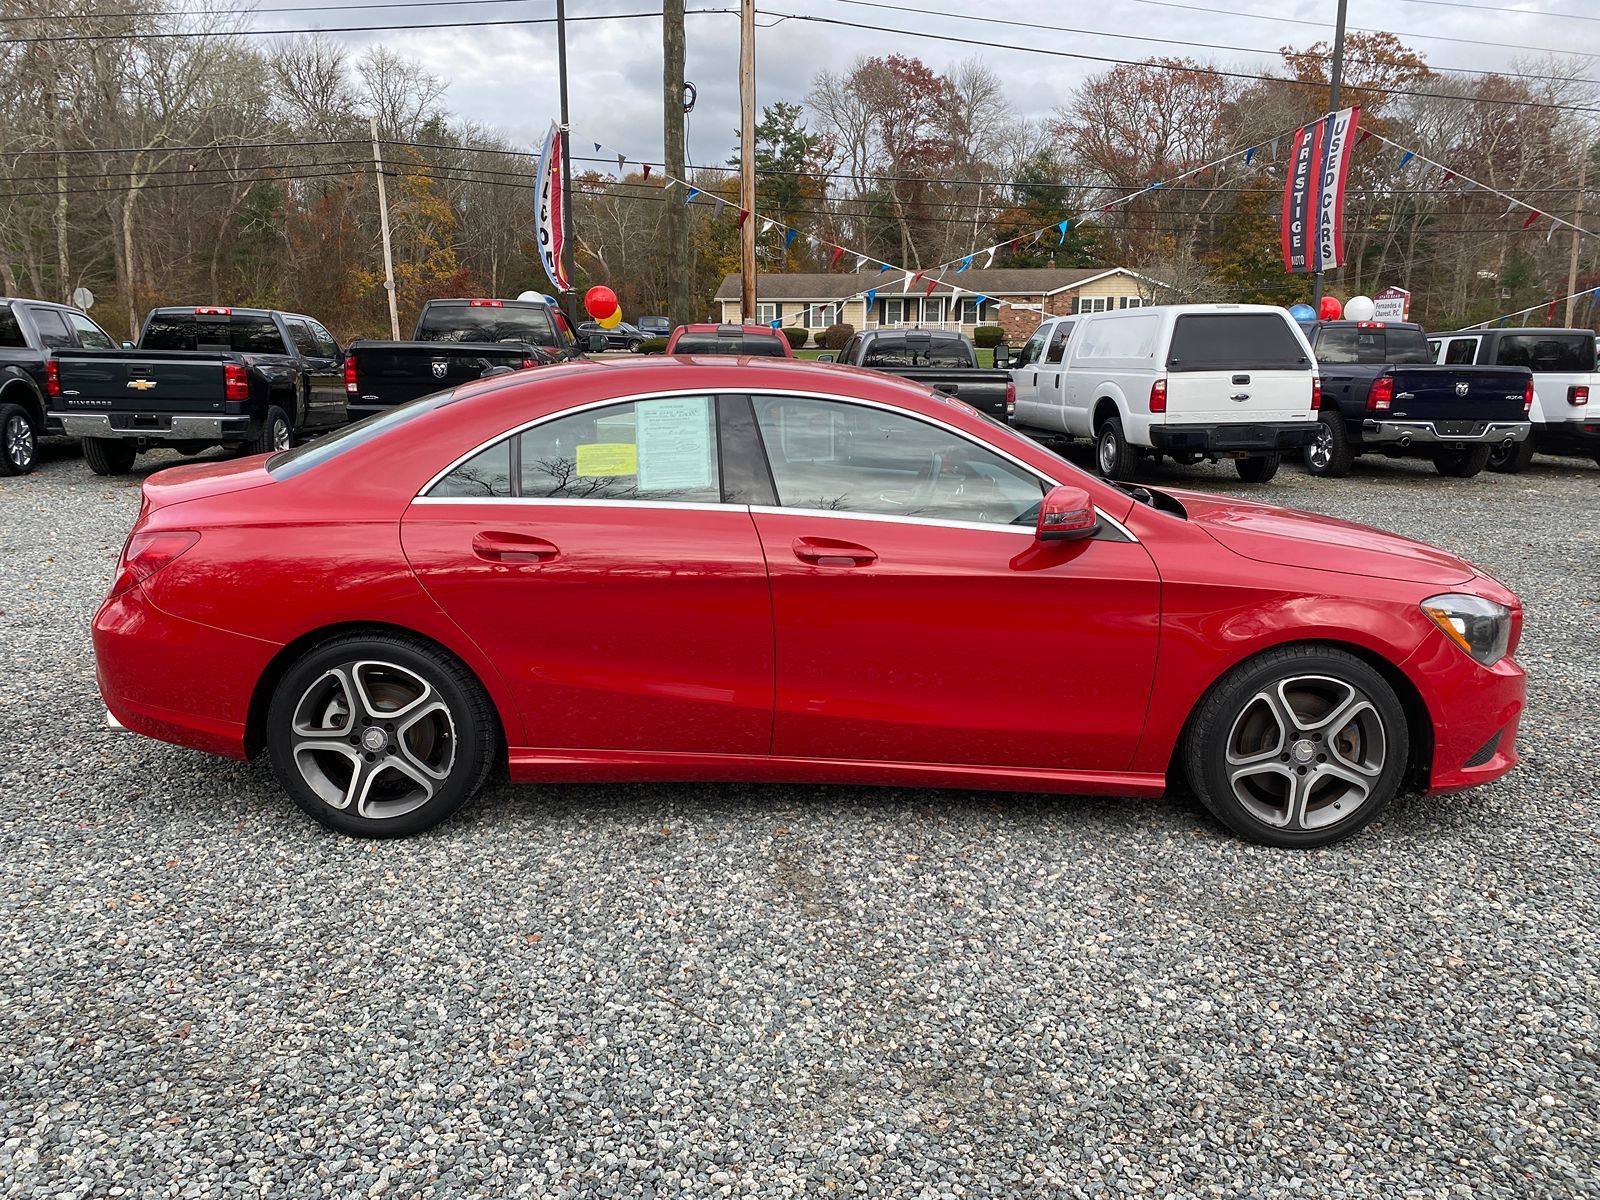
1185 381
750 341
31 332
1564 378
942 360
249 379
1383 394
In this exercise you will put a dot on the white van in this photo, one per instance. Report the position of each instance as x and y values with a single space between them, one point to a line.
1188 381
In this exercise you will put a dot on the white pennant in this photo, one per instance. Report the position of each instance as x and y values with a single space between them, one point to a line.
989 262
861 262
905 284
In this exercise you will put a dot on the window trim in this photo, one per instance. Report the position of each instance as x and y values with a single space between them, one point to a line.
793 393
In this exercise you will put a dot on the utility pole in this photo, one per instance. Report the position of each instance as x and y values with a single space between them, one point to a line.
1334 75
677 230
566 164
747 157
1577 219
383 220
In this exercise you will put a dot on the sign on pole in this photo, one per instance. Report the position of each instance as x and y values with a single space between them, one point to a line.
1312 227
82 298
1392 304
549 199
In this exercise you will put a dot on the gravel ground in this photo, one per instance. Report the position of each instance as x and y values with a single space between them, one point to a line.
732 991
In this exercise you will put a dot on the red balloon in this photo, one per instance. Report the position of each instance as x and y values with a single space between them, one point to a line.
1331 309
600 301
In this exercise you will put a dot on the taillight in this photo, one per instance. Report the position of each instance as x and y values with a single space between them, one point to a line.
485 303
1316 392
213 312
1576 394
529 362
351 383
1011 398
1527 397
52 377
147 553
1158 396
1369 324
1381 395
235 382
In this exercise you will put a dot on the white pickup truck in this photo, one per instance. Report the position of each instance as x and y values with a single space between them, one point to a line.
1188 381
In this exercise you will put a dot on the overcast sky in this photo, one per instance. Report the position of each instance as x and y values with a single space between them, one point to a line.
506 76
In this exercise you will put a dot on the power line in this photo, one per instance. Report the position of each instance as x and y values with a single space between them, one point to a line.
1521 12
259 12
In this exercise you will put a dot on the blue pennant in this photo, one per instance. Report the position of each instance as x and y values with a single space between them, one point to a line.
1248 155
1063 226
872 297
693 192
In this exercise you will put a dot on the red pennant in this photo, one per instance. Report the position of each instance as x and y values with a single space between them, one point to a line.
1011 246
932 283
1532 217
744 215
1365 134
917 278
646 167
1107 208
1550 313
1448 176
838 253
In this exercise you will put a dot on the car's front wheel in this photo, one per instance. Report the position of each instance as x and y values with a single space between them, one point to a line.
19 441
380 736
1301 746
1330 454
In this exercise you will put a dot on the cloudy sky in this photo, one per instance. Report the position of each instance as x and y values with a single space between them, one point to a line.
505 76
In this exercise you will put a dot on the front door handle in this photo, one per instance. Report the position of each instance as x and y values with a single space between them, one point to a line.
830 552
498 547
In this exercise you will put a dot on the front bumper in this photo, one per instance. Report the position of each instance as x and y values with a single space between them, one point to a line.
1229 439
177 427
1475 712
1433 433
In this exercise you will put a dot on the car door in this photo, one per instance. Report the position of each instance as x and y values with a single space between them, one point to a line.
335 400
1025 375
918 619
1053 378
593 557
321 374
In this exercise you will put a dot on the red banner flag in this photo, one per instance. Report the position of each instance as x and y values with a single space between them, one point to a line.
1532 217
549 200
744 215
932 283
1550 313
838 253
646 167
1312 223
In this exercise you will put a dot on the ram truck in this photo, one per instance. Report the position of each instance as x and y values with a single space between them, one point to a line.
941 360
1382 393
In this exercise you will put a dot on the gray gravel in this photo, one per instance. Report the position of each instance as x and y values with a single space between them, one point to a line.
733 991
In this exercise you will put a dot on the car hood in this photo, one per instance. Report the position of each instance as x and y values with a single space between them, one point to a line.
1290 538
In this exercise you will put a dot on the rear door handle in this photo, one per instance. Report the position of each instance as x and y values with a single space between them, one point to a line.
830 552
495 546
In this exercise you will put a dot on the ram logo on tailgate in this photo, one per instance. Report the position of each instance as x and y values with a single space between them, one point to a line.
1463 388
440 369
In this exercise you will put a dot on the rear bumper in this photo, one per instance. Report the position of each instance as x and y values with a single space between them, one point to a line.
1580 437
1380 433
178 427
1227 439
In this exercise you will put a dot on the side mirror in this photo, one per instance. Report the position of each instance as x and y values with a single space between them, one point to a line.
1002 356
597 343
127 345
1066 514
827 357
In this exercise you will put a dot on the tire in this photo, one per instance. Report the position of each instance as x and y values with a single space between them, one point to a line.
109 456
1509 460
1460 462
1113 457
275 433
431 761
1283 791
1258 468
1330 455
19 440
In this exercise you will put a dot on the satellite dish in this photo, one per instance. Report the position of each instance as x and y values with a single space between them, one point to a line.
83 298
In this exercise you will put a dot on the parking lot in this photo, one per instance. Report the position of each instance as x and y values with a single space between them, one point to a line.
737 990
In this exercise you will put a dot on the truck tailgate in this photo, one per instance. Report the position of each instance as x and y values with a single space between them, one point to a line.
1233 396
984 389
1458 395
390 373
172 381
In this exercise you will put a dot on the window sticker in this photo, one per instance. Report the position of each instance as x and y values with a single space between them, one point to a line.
674 444
599 459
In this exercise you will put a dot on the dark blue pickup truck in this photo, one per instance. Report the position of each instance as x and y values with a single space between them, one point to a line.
32 332
1382 394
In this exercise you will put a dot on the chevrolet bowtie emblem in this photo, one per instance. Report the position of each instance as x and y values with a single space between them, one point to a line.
143 385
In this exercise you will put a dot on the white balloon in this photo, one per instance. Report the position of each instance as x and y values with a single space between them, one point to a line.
1359 308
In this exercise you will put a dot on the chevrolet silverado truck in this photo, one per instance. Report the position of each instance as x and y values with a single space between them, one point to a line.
252 380
1383 394
938 359
31 333
456 341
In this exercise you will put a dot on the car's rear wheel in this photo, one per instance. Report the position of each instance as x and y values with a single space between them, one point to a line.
1460 462
380 736
1301 746
1508 458
1329 455
19 440
1258 468
1112 455
275 433
109 456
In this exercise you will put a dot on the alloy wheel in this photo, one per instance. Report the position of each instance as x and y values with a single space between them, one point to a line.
1306 752
282 436
1322 448
374 736
19 444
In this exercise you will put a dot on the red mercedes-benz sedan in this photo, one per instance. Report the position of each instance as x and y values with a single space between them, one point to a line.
759 569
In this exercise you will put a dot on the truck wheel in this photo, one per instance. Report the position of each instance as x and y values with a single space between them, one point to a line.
109 456
1112 455
1461 462
19 440
1258 468
1510 459
1329 455
276 433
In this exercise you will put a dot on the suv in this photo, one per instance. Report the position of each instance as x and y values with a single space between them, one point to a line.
758 341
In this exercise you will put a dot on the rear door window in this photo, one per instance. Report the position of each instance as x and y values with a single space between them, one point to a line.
1461 352
300 334
1570 352
325 342
1235 342
53 331
90 335
11 330
1058 342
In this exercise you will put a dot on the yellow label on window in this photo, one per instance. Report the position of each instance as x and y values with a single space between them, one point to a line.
608 458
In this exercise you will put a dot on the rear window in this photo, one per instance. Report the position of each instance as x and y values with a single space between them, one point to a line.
301 459
247 333
711 343
1352 344
1547 351
464 323
909 352
1235 342
10 331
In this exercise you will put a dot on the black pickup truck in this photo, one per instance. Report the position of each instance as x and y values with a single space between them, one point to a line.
939 359
456 341
249 379
31 334
1382 394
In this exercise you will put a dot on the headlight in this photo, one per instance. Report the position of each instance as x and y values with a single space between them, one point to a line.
1480 627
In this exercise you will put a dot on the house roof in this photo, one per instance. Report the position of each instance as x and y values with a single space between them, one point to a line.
1000 281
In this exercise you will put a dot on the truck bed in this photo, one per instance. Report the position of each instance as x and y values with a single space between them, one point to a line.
391 373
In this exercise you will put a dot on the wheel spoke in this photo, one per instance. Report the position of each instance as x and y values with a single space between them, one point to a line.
405 752
1357 777
368 807
370 709
315 727
1294 816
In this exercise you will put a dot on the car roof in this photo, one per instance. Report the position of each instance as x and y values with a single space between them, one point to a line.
728 327
1514 329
